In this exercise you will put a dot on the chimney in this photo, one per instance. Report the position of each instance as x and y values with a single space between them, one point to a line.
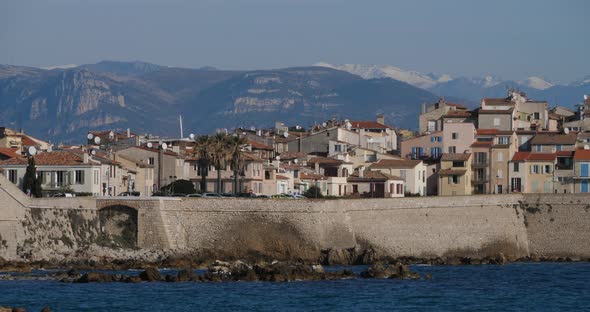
128 133
423 108
381 119
361 171
85 158
317 168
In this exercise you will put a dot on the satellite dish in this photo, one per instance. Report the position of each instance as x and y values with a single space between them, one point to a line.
111 135
566 130
96 140
149 145
295 160
252 128
286 134
93 152
278 158
164 146
191 136
324 124
90 136
298 127
348 125
32 151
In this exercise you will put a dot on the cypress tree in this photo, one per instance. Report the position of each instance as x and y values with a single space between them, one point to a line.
30 181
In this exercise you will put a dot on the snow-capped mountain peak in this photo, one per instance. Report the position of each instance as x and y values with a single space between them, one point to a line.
382 71
536 83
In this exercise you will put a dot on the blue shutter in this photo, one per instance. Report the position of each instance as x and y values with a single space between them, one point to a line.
584 186
583 170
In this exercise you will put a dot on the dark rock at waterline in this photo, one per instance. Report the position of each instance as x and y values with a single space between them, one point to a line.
45 309
187 275
393 271
97 277
150 275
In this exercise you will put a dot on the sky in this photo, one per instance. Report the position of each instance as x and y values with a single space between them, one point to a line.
508 39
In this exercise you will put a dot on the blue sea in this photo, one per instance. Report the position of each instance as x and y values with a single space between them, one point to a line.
512 287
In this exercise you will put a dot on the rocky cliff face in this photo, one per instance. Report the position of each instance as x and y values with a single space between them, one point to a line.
62 104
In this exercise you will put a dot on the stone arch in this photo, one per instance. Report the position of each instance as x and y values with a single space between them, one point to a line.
118 225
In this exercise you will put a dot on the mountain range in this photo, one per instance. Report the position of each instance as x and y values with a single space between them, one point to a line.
61 103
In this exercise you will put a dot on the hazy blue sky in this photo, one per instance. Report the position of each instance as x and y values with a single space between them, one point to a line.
510 39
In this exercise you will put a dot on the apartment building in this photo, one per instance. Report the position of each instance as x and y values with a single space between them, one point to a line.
412 172
455 174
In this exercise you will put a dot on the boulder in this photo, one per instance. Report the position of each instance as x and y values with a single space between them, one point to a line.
337 256
186 275
150 275
46 309
96 277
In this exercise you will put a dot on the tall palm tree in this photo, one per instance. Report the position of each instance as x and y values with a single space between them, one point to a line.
219 155
204 162
237 161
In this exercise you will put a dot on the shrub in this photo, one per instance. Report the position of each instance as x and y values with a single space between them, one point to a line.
179 187
313 192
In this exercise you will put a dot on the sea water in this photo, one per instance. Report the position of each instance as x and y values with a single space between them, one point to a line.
512 287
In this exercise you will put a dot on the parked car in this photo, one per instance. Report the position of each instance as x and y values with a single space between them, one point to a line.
194 195
129 194
299 196
62 195
211 195
247 195
262 196
227 195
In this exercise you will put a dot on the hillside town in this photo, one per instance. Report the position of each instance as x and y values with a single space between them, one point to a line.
506 145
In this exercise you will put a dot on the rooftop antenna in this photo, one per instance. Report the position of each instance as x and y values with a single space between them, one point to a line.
32 151
181 134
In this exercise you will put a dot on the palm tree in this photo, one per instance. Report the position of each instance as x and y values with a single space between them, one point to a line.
219 155
236 144
204 144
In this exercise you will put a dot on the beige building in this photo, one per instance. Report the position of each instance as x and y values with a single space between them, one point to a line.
375 184
431 118
455 174
412 172
532 172
426 146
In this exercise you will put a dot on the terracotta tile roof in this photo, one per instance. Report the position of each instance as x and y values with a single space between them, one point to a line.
260 146
496 111
492 132
153 150
395 164
325 161
252 157
554 138
458 114
455 105
372 176
455 156
311 176
554 116
541 157
520 156
368 125
10 152
582 154
498 101
481 144
452 172
55 158
292 155
565 153
282 177
27 141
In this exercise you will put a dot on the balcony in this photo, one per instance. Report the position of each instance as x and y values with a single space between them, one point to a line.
479 180
479 165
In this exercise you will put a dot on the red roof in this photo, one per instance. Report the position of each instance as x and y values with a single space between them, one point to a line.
482 144
582 154
282 177
311 176
368 125
492 132
10 152
541 157
520 156
56 158
259 146
455 105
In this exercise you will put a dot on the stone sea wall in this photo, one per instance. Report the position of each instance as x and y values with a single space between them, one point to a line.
552 225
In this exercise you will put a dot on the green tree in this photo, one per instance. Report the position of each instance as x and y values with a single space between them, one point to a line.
31 182
204 145
220 155
313 192
237 160
179 187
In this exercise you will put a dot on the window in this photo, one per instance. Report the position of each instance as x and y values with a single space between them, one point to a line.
435 152
481 158
338 148
431 125
516 167
516 184
151 161
459 164
500 173
60 178
96 177
454 179
499 187
455 135
536 116
12 175
548 169
79 176
504 140
538 148
496 121
500 156
558 147
452 149
535 169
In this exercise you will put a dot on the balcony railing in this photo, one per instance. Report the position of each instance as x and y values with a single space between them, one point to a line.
479 164
479 180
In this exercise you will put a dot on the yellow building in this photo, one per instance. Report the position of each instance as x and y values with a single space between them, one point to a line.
454 176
